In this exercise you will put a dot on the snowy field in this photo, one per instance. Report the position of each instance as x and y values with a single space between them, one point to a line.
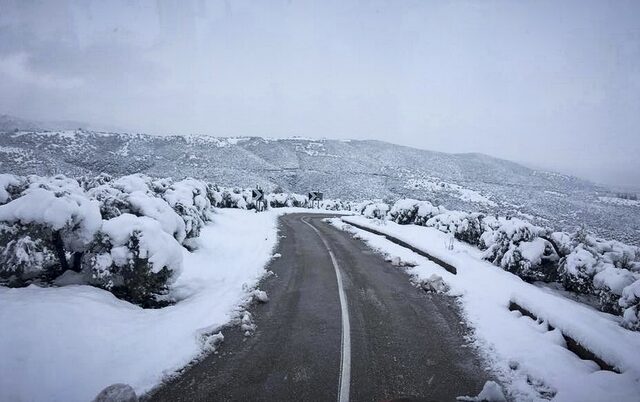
68 343
531 361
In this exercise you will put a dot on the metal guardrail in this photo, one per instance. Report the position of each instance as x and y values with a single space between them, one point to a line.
402 243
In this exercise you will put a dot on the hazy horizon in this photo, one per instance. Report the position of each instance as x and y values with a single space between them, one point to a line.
547 84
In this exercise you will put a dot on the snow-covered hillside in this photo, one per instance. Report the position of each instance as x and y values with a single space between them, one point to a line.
367 170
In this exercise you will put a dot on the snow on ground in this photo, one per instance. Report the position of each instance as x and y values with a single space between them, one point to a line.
68 343
531 361
435 185
619 201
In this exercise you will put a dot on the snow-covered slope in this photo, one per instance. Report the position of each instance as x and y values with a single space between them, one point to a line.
342 169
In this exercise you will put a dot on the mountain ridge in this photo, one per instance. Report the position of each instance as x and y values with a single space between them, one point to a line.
347 169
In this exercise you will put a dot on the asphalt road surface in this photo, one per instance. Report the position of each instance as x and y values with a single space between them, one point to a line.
373 338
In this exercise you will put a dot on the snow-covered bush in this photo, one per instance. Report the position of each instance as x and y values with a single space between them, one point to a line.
135 259
231 199
297 200
277 200
360 206
134 182
405 211
465 226
609 284
23 257
51 215
376 210
590 256
89 182
426 211
142 204
143 199
599 267
335 205
189 200
582 263
518 247
281 200
124 234
50 225
113 202
10 186
630 302
562 242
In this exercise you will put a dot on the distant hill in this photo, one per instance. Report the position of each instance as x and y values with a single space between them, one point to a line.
341 169
11 123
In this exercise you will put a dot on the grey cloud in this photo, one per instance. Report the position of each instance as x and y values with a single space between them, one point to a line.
541 82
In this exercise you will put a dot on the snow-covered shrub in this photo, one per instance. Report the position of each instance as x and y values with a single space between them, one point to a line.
122 234
405 211
113 202
297 200
232 199
360 206
134 259
376 210
113 194
562 242
89 182
578 269
142 204
588 257
609 284
189 200
334 205
50 214
426 211
277 200
21 256
465 226
281 200
10 186
630 302
134 182
516 246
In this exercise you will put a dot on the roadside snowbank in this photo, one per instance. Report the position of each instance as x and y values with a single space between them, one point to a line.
68 343
532 361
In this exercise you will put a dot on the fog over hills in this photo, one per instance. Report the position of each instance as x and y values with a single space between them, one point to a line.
346 169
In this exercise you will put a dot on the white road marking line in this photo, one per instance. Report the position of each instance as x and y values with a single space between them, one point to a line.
345 363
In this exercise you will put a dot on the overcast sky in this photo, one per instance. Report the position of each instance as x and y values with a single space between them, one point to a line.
550 83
